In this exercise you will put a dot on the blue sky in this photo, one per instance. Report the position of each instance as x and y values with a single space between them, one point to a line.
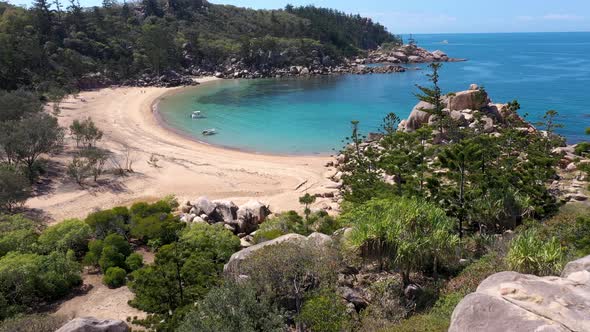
452 16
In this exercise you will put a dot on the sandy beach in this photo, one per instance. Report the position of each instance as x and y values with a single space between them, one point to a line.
185 168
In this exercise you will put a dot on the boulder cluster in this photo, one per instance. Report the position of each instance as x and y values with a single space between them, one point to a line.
241 220
471 108
510 301
406 54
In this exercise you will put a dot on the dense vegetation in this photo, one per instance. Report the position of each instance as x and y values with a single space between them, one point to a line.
53 47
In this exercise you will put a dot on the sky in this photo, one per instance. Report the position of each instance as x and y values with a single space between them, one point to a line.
450 16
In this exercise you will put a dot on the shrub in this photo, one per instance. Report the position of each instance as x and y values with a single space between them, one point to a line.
115 277
408 232
582 148
105 222
115 250
17 234
286 272
69 234
94 252
281 224
323 223
233 308
27 280
134 262
33 323
14 188
531 254
325 312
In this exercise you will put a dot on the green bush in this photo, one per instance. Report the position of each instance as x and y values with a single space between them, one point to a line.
322 222
115 277
115 250
233 308
33 323
134 262
582 149
409 233
94 253
530 253
279 225
17 234
325 312
69 234
115 220
27 280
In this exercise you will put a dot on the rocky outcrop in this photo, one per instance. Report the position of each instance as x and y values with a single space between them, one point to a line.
233 265
242 220
406 54
510 301
168 79
470 108
90 324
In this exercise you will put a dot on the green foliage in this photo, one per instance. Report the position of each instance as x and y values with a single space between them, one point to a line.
105 222
94 253
184 271
69 234
154 222
26 280
85 132
18 104
233 308
123 41
33 323
409 233
286 272
134 262
14 188
325 312
24 141
115 250
322 222
115 277
582 149
17 234
531 254
279 225
571 226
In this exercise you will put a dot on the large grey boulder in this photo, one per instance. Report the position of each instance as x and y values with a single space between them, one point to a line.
225 211
252 214
510 301
419 117
90 324
470 99
203 206
580 265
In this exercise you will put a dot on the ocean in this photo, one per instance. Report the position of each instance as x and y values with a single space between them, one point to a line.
309 116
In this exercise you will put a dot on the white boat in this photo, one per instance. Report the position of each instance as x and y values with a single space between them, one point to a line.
197 115
209 132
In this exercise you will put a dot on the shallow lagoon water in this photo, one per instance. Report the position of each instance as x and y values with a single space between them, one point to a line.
312 115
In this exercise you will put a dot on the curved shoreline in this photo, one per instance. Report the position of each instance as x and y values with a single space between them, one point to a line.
154 110
185 167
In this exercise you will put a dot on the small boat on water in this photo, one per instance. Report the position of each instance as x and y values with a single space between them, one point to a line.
444 42
197 115
209 132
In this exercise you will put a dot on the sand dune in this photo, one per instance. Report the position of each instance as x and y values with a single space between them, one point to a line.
186 168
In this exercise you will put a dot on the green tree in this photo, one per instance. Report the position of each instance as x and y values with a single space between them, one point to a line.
14 188
26 140
433 96
307 200
134 262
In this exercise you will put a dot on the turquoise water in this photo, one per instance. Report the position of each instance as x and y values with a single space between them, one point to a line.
311 116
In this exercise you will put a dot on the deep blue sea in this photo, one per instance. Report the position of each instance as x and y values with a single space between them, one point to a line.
311 116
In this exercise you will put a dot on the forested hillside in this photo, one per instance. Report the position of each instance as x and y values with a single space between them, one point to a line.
52 46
